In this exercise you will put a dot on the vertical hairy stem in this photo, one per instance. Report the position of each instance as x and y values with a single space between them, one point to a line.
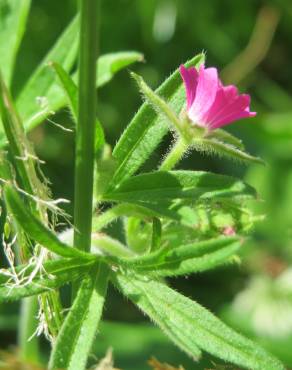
174 156
85 132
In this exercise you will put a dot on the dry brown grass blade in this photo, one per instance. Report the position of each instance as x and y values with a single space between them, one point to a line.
156 365
107 363
11 361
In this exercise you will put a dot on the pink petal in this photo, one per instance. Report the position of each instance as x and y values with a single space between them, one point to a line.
208 84
227 107
235 116
210 103
190 78
226 95
232 110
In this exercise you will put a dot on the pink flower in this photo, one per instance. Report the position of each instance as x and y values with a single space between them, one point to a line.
229 231
209 103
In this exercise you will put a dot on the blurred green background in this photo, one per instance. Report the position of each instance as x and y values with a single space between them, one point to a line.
250 42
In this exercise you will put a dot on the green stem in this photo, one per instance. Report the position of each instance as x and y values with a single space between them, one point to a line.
107 217
101 221
85 131
174 156
156 234
29 346
111 246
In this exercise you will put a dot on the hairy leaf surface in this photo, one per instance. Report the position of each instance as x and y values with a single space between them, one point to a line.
147 128
191 326
75 339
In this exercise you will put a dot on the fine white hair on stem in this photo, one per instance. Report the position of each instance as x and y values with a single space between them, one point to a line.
27 156
59 125
51 204
7 248
42 327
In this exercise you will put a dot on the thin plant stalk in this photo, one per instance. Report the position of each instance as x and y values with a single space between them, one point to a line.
174 156
27 340
84 161
85 131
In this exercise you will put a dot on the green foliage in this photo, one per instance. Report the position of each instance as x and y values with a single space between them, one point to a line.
69 87
175 222
160 186
35 229
79 329
41 96
43 83
18 143
71 90
109 64
38 97
191 326
147 128
222 148
221 143
13 16
185 259
29 282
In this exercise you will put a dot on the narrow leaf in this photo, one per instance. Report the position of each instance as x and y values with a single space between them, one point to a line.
43 87
156 234
71 91
195 326
182 266
40 85
57 273
158 103
163 185
75 339
69 86
147 128
167 257
13 16
134 290
224 149
35 229
109 64
51 267
226 137
21 152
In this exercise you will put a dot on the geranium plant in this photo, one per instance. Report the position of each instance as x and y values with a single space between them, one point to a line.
165 232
